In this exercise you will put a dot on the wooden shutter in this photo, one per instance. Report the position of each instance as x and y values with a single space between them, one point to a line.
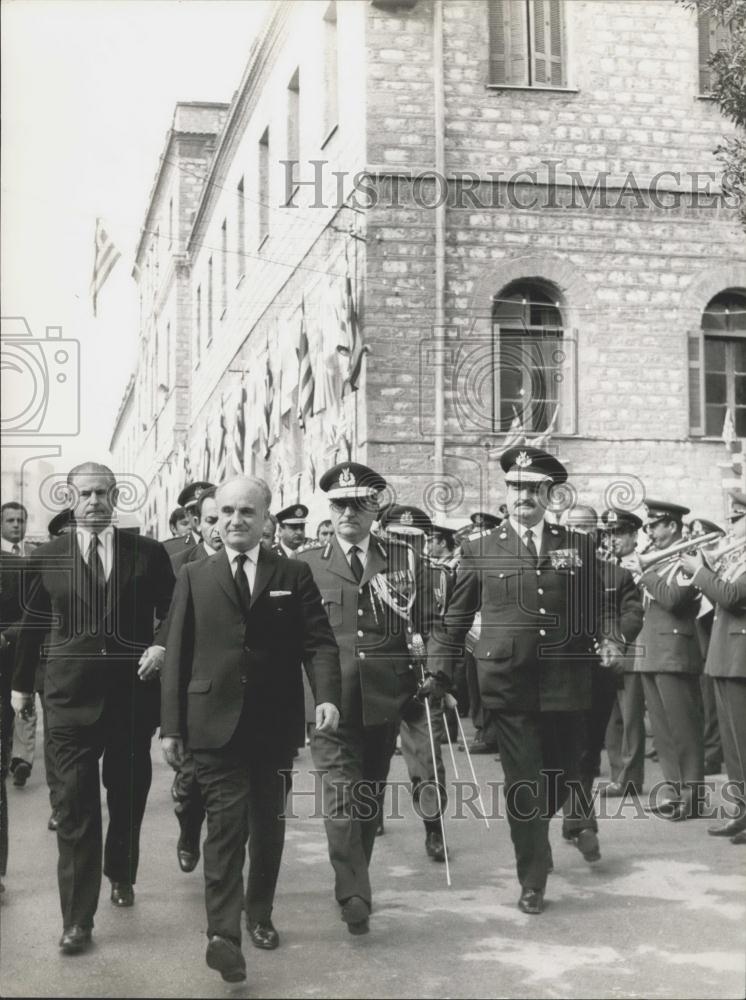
547 43
517 47
696 345
705 22
499 40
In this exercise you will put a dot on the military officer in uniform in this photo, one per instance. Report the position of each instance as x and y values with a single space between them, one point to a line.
188 500
291 530
625 733
671 664
371 588
725 586
538 589
411 524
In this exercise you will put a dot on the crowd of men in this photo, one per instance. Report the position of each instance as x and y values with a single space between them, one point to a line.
243 640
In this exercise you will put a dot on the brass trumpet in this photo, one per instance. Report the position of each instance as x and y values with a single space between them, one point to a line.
658 556
725 554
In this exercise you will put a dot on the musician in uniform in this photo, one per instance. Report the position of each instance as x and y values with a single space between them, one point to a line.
538 590
291 530
625 733
724 584
670 663
371 588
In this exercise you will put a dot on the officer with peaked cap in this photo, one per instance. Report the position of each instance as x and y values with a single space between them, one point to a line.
291 530
413 524
60 523
188 500
671 664
537 587
372 590
724 584
625 733
480 519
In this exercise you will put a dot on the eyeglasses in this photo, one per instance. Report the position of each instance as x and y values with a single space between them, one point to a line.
355 503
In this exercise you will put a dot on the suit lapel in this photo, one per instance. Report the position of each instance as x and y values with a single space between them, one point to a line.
376 562
221 568
122 568
338 563
265 567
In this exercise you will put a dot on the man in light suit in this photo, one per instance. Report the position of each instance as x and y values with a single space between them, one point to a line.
539 592
242 622
96 591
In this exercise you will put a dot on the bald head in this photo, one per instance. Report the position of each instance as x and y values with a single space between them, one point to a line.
243 504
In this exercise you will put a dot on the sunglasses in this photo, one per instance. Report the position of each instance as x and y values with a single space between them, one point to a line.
355 503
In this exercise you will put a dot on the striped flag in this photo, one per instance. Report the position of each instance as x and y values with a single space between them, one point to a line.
239 430
351 346
269 397
222 444
206 456
305 372
188 476
105 257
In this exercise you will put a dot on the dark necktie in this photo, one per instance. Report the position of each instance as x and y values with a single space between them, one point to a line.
355 564
242 583
16 549
96 565
528 538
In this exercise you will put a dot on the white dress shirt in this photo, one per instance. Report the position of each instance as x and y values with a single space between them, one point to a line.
105 546
208 548
537 531
249 567
8 547
362 546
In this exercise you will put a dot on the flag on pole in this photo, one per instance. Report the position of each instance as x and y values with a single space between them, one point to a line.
105 257
269 395
351 344
312 473
222 444
239 430
206 455
305 371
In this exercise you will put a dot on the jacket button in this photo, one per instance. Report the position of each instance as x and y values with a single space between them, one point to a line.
542 631
502 575
542 611
360 634
538 572
103 650
539 591
244 679
360 612
360 591
361 656
675 631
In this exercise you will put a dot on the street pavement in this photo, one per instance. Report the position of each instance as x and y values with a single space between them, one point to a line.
663 914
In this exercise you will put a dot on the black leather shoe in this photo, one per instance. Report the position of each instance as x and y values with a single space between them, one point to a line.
75 939
713 766
263 934
122 894
531 901
355 913
54 821
188 860
587 843
729 829
21 773
226 958
435 847
615 790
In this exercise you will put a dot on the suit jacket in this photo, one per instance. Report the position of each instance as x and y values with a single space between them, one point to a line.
726 656
220 658
538 620
187 555
90 663
668 640
11 567
375 643
178 544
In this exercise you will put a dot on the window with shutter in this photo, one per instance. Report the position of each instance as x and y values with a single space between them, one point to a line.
717 366
696 384
714 35
526 43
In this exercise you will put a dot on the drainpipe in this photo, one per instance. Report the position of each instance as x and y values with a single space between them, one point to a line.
440 237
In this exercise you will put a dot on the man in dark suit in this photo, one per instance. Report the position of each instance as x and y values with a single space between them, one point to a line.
241 624
538 590
11 567
372 589
97 591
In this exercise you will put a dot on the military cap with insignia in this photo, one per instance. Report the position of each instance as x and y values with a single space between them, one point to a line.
737 505
296 513
701 526
406 519
663 510
531 465
351 481
60 521
191 493
449 534
618 519
481 519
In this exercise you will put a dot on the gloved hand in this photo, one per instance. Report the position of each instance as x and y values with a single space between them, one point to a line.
612 656
434 687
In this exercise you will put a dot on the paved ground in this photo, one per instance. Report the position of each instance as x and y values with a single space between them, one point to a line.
662 915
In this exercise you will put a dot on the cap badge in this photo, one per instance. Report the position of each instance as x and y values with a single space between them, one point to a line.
198 492
406 517
612 517
299 512
347 477
523 461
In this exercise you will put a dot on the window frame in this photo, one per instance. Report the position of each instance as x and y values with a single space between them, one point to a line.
528 39
697 371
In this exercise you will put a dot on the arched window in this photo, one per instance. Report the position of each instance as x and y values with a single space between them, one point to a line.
533 379
722 390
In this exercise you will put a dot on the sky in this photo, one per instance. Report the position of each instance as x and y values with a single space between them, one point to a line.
88 93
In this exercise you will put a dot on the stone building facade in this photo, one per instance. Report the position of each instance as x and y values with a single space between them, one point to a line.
524 197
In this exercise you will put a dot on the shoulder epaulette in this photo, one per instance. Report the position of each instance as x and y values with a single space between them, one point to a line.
311 546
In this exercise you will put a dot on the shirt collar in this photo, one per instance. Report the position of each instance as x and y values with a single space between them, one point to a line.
521 529
8 546
252 554
84 535
208 548
363 545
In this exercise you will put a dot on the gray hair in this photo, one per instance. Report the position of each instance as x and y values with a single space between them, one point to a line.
253 481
